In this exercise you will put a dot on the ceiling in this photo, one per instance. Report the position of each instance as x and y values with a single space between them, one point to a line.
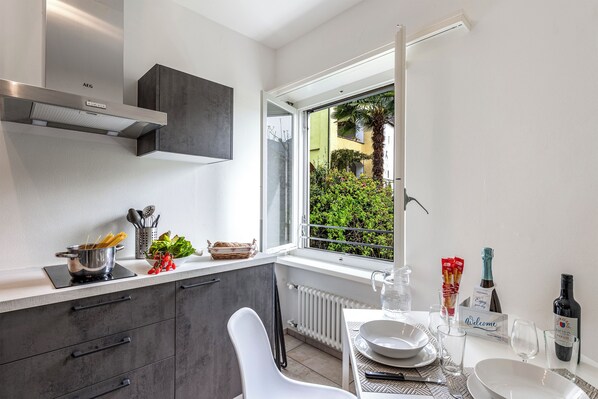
273 23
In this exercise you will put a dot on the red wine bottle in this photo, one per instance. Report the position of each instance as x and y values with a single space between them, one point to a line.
567 320
488 280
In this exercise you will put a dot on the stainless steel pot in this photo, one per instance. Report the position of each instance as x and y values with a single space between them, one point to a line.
84 262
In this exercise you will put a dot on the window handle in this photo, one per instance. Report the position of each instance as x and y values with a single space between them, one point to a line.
408 199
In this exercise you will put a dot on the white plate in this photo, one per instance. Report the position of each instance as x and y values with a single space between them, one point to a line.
476 389
393 338
423 358
517 380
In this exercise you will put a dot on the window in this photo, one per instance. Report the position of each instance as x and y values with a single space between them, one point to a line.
325 148
279 149
350 196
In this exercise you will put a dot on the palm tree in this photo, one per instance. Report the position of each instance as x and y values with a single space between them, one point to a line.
374 113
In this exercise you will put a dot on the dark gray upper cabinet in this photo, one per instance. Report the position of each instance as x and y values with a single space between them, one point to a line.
200 117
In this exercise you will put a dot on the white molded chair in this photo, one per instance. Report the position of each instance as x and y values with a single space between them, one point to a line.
259 374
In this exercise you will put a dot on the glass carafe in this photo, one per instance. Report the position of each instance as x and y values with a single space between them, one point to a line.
395 295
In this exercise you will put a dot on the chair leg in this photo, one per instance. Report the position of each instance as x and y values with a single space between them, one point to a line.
280 347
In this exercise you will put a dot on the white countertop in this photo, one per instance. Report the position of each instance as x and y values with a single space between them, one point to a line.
26 288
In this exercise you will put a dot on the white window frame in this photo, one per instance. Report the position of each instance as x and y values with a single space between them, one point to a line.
357 261
301 184
297 147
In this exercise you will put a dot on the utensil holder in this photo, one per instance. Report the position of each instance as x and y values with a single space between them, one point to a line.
143 239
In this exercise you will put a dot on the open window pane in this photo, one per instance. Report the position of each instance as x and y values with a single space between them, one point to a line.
279 148
351 166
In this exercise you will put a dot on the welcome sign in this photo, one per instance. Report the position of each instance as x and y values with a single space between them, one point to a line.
480 323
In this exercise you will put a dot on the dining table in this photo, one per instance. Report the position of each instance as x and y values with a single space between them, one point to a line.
476 349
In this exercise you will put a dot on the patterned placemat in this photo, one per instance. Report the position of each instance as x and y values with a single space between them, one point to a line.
406 387
585 386
433 370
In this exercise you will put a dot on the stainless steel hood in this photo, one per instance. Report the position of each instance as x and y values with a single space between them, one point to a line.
84 75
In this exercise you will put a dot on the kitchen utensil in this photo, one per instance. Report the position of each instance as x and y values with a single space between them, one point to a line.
554 356
452 349
381 375
141 219
395 295
155 222
423 358
524 339
393 338
143 240
518 380
147 213
476 389
130 220
84 261
133 217
453 390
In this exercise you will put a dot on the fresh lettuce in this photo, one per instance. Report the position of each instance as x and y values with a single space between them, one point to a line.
177 246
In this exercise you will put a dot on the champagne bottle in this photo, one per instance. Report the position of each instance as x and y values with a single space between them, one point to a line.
485 296
567 319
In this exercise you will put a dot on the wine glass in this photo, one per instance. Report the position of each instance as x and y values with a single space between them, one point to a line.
524 339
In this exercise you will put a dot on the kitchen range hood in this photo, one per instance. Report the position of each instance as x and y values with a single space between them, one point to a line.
84 75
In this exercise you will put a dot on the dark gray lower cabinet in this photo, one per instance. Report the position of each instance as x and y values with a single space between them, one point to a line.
65 370
155 381
41 329
206 365
163 341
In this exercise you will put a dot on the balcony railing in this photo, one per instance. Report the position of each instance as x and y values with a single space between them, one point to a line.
306 227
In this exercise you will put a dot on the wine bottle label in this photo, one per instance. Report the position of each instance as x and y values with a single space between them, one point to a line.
565 329
481 298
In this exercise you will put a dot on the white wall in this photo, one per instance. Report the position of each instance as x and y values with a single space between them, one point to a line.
57 187
363 28
502 142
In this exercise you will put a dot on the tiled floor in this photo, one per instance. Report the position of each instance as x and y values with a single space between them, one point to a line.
309 364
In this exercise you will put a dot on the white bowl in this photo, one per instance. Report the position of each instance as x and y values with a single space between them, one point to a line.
393 338
177 261
514 379
423 358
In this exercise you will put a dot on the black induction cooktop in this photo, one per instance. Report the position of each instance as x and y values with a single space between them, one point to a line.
60 277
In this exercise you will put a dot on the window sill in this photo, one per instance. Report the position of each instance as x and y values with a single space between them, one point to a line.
330 269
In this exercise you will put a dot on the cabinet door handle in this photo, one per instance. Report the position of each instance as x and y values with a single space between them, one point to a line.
124 383
95 305
126 340
212 281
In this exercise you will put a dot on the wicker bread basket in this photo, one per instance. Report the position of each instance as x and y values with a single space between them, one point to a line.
232 250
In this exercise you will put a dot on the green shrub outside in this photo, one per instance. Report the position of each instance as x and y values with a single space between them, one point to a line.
339 198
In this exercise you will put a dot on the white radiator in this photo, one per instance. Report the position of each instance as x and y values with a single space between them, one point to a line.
320 314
